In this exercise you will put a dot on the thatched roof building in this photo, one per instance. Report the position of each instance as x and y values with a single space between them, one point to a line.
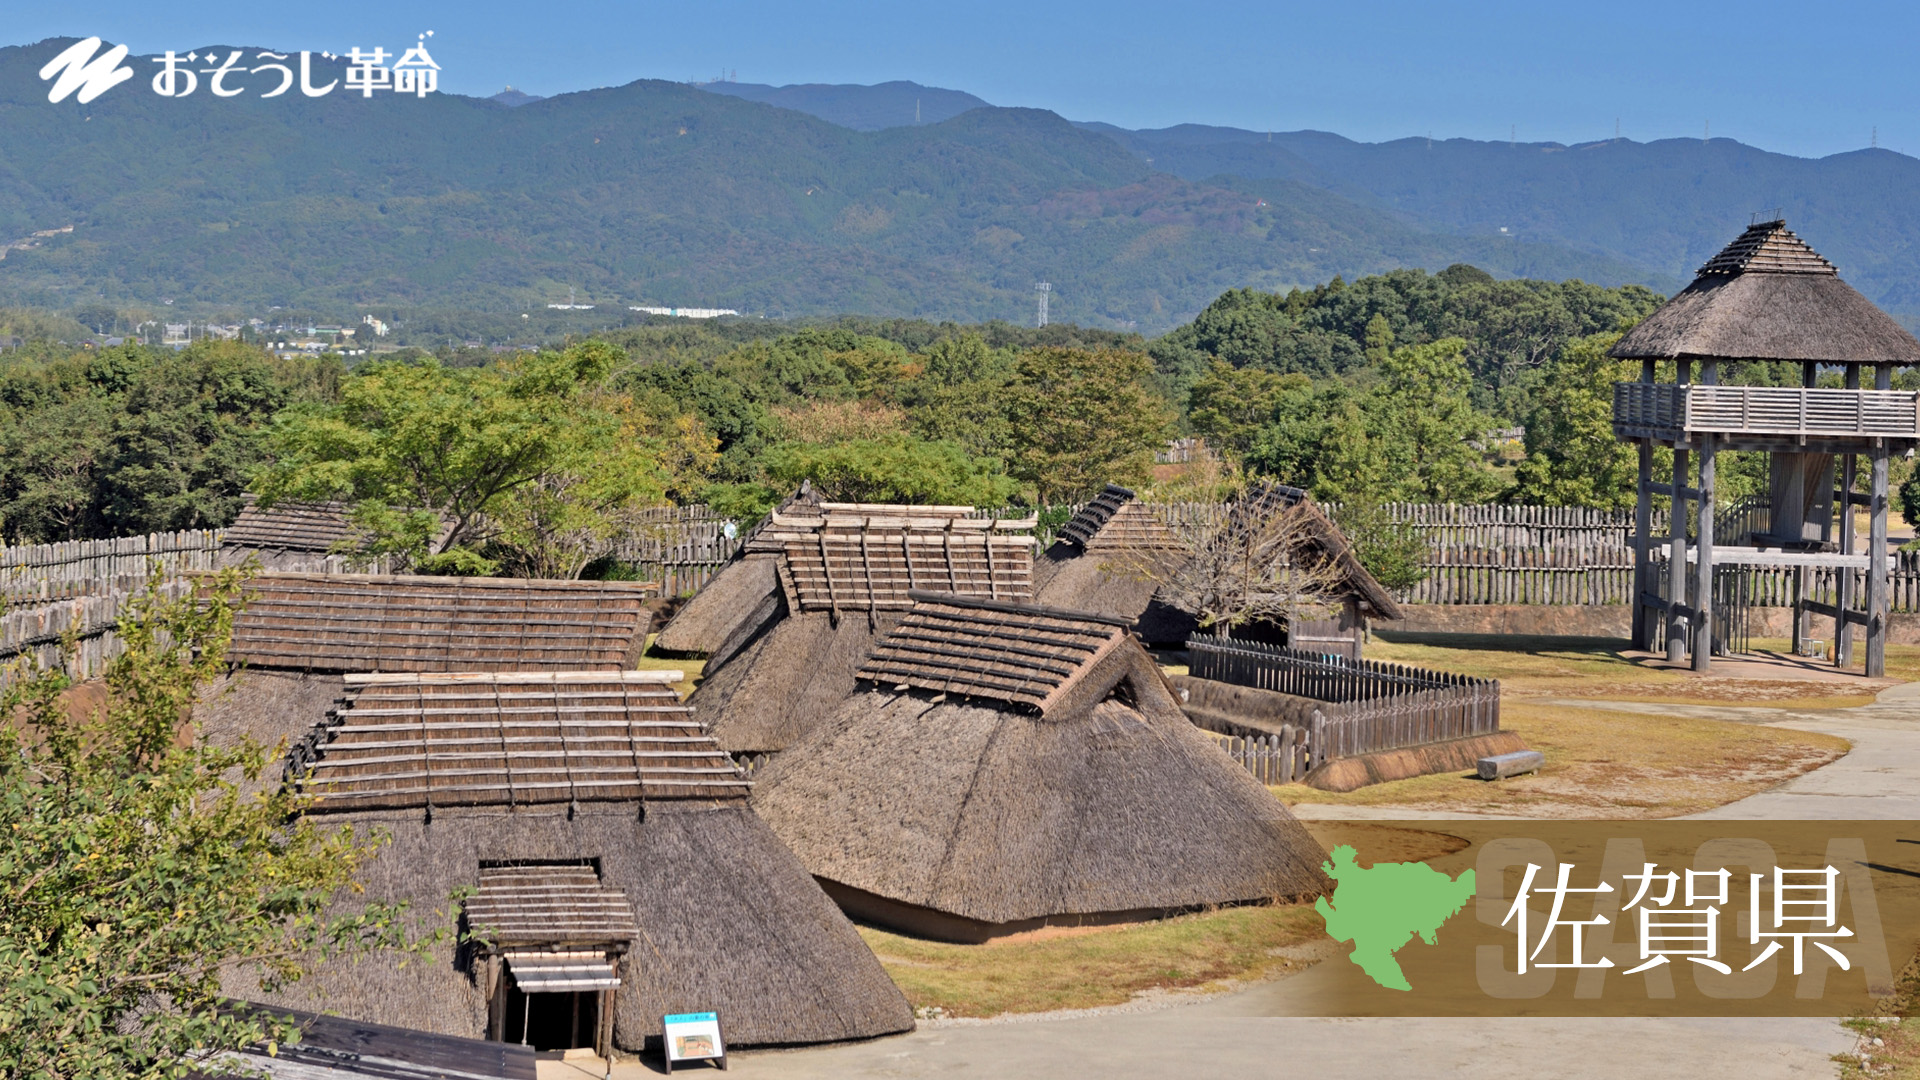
1117 553
617 871
820 586
1003 767
706 623
1769 296
290 535
1110 560
360 622
1357 584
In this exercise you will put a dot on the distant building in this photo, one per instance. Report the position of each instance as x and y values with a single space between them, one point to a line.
684 312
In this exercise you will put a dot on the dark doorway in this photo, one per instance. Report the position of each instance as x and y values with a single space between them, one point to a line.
562 1021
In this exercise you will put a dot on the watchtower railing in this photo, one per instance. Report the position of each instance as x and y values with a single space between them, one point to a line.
1640 407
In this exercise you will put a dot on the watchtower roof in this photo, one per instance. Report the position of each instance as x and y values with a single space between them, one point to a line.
1770 296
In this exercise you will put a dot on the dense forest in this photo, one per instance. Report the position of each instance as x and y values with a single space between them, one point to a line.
1407 386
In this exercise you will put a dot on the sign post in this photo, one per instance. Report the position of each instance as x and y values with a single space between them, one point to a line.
692 1037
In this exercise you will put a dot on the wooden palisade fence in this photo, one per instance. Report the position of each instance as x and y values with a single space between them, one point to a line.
1366 705
34 635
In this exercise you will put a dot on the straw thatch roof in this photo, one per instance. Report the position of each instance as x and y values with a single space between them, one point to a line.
840 576
291 525
482 739
354 622
1003 767
1113 556
709 619
663 878
1265 498
833 556
1769 296
1110 559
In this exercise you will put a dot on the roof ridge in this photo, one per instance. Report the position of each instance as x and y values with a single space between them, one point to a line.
1767 247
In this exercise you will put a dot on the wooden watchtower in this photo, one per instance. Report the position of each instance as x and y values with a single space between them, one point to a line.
1766 298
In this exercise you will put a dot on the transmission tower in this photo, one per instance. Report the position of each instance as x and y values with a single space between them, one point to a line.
1041 290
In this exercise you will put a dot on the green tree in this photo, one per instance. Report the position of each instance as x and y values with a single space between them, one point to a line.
443 464
960 396
1422 413
1573 458
1231 405
1083 418
898 469
141 863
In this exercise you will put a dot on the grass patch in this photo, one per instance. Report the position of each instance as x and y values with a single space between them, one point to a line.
694 668
1897 1030
1610 764
1535 666
1098 966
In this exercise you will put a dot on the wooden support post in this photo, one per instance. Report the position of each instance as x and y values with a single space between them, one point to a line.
1677 535
1677 562
1843 577
1803 576
1878 602
1703 568
1643 547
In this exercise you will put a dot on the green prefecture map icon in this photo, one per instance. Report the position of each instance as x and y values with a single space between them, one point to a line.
1383 906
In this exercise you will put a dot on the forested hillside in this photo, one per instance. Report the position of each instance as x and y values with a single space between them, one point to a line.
650 193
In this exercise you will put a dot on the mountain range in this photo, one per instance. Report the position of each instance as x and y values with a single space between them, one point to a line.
816 200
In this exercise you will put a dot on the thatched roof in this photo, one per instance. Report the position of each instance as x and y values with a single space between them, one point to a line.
1029 656
1116 518
510 738
293 526
728 921
1769 296
667 875
830 556
361 623
550 906
1110 559
1266 498
790 674
1062 783
792 644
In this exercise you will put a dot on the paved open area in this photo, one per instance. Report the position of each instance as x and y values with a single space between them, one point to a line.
1208 1039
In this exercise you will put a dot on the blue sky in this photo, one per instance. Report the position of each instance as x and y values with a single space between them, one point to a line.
1371 71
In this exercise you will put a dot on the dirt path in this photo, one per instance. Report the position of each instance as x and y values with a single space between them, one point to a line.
1221 1040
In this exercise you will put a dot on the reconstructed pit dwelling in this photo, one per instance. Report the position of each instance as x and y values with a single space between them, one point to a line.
1002 767
490 729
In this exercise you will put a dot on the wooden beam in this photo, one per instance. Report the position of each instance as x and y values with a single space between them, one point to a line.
1667 490
1849 617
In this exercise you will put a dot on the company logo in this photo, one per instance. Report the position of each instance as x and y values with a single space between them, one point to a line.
77 68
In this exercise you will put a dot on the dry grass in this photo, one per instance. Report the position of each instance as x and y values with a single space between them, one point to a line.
1609 764
1100 966
1599 668
695 669
1897 1057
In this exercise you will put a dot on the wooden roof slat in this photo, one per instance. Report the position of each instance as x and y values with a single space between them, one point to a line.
997 651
